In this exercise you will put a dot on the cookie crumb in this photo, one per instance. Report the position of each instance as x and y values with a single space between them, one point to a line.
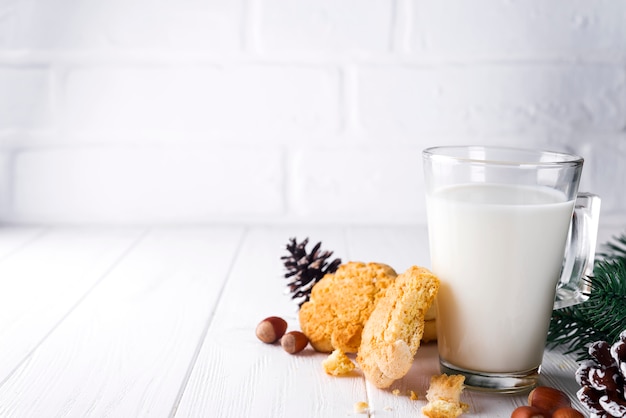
396 392
413 396
443 397
361 407
338 364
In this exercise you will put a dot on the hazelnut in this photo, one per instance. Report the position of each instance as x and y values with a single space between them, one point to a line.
550 399
567 412
271 329
529 412
294 341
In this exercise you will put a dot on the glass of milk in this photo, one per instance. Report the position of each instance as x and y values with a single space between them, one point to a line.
510 239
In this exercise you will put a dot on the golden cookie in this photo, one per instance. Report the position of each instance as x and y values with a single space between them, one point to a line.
430 324
341 303
430 331
392 333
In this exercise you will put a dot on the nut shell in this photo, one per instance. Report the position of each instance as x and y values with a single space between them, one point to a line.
567 413
529 412
294 341
271 329
547 398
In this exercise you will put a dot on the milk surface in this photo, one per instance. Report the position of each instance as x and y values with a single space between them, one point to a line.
498 251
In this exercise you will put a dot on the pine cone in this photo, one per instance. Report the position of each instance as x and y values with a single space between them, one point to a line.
305 269
603 379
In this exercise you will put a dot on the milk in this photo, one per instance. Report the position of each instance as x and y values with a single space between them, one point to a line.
498 251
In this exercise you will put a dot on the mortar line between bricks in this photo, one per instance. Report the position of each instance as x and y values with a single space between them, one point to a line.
251 57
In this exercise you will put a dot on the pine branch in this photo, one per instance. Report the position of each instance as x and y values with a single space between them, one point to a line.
603 316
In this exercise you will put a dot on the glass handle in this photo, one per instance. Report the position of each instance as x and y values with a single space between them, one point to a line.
580 252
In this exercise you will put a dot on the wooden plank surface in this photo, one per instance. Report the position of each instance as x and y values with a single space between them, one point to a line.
43 276
238 376
160 322
12 239
127 347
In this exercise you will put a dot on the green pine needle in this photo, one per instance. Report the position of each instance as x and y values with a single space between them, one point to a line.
603 315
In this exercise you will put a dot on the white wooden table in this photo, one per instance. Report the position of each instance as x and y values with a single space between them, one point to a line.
161 322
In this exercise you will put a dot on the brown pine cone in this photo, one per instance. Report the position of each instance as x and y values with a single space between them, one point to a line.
603 379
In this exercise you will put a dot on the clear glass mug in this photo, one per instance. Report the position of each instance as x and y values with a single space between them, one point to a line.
510 239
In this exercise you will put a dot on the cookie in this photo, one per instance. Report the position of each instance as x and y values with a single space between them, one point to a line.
392 333
430 324
340 304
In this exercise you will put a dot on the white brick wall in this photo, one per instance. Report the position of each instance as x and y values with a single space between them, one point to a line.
244 99
522 30
192 111
163 184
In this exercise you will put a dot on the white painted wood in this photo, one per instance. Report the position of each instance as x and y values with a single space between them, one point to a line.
236 375
14 238
161 323
126 349
43 276
558 371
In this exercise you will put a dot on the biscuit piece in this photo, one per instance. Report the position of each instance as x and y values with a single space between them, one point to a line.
392 333
341 303
444 397
430 331
338 364
442 409
431 313
430 324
